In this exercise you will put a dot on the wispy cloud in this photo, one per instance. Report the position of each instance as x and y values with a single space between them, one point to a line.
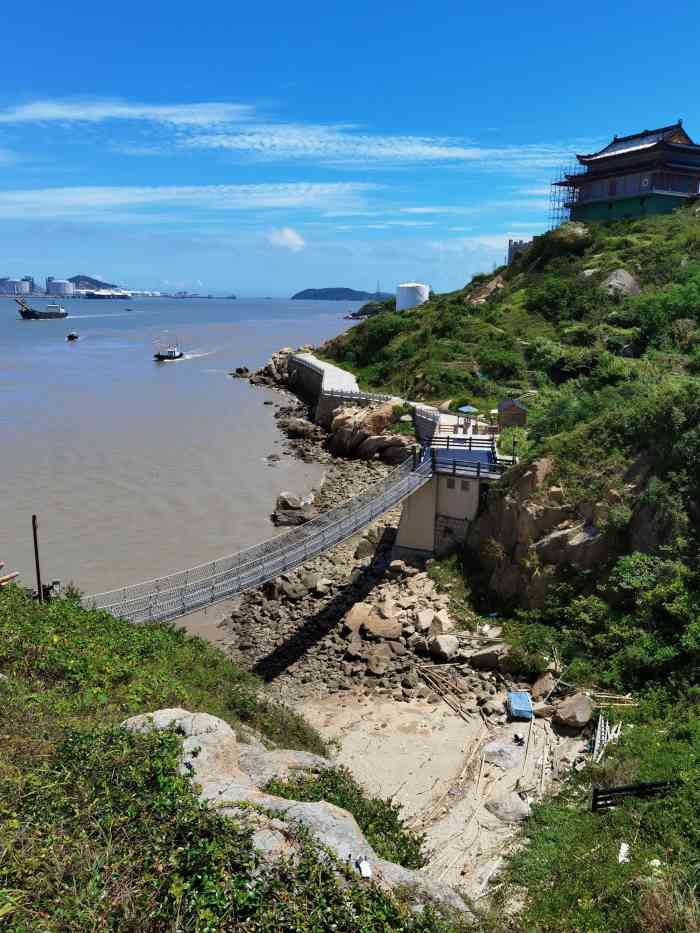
287 238
94 111
240 128
341 144
92 202
139 150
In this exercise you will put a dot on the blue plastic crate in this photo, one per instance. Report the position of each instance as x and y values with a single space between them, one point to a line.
519 704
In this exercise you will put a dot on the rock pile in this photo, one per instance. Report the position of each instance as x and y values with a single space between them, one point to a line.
359 433
230 776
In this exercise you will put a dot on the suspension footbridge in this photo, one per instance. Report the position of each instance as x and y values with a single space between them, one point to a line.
183 592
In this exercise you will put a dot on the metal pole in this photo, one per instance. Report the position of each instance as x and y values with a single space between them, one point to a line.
39 589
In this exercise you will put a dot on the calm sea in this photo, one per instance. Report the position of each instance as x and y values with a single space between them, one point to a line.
135 468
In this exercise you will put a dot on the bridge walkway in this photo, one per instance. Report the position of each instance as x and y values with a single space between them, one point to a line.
177 594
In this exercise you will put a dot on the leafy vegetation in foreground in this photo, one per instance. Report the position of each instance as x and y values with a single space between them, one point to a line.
109 836
379 820
97 828
69 667
570 867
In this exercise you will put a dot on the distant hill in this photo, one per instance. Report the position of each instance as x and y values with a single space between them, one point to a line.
337 294
86 281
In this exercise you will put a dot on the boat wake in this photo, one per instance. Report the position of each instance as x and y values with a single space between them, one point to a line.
198 354
84 317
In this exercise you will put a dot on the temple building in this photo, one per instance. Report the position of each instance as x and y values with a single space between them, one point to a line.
651 172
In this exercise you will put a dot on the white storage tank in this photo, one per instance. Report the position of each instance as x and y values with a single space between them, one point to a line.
410 295
60 287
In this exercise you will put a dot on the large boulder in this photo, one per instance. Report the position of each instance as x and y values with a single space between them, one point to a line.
444 647
298 427
489 658
620 282
375 628
509 807
355 618
575 712
229 776
292 517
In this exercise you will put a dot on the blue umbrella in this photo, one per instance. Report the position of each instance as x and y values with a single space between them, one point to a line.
467 409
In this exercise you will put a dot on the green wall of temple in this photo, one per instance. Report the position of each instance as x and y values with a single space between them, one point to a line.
627 207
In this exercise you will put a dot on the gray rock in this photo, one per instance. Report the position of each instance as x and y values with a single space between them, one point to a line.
488 658
509 807
424 620
261 765
620 282
504 755
444 647
270 843
575 712
376 628
543 686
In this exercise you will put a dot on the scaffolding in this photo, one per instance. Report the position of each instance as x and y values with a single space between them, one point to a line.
563 194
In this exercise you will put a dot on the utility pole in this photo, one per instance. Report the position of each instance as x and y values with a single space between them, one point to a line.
39 588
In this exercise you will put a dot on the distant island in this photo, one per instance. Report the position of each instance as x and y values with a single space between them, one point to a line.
337 294
88 282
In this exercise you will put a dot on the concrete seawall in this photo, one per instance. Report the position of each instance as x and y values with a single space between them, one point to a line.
327 387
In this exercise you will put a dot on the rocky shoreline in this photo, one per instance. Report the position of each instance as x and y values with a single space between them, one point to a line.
353 620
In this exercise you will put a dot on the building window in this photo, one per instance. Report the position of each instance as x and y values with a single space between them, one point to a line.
450 482
465 485
612 189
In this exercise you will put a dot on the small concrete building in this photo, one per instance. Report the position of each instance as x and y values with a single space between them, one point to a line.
435 519
512 413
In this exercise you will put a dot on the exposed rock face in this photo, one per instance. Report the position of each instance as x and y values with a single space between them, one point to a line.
481 294
575 712
229 775
357 432
524 536
620 282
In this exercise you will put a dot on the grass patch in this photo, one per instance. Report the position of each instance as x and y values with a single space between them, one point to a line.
98 831
379 820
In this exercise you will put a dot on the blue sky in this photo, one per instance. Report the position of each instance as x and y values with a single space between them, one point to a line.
264 148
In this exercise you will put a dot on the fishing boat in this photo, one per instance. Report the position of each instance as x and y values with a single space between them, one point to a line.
32 314
167 350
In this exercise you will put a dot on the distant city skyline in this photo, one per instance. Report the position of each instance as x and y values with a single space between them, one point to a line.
269 149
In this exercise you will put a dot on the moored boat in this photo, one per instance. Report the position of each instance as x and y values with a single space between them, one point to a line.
32 314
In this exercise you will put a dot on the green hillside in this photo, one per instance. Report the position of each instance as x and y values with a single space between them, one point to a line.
611 381
546 319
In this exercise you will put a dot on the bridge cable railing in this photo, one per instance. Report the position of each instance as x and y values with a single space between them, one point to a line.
184 591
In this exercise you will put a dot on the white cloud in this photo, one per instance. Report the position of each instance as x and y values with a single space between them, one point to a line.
287 238
94 111
81 202
343 144
139 150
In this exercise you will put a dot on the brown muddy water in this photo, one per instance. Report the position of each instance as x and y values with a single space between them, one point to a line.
134 468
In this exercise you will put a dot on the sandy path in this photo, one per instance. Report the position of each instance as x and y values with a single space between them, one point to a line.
430 761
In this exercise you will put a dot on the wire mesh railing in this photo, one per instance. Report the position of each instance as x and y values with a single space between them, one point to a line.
178 593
